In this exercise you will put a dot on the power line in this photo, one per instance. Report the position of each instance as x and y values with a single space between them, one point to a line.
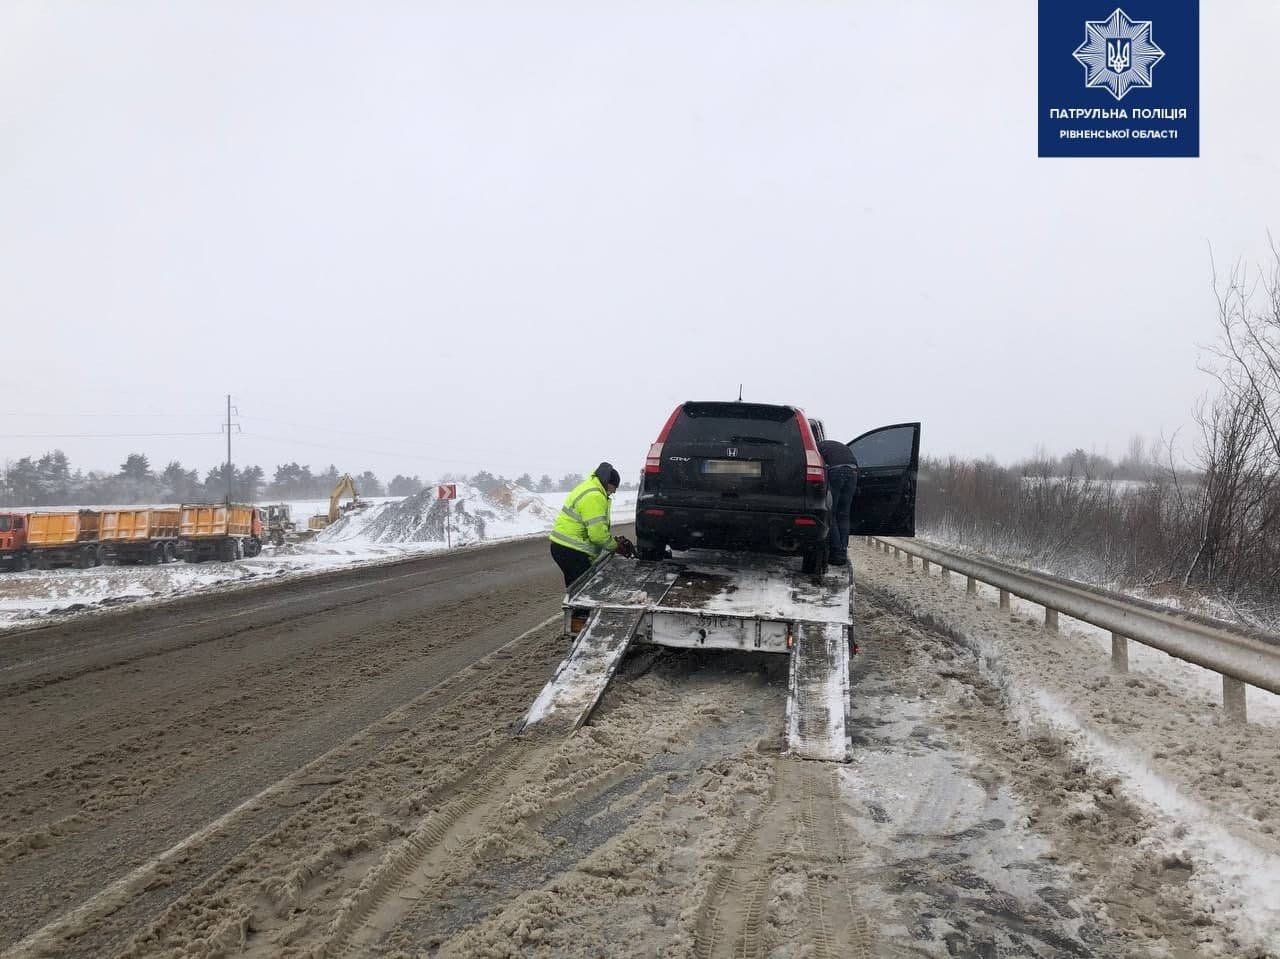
105 415
399 455
330 429
84 436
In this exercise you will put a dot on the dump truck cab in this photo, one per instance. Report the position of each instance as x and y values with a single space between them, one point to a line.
13 541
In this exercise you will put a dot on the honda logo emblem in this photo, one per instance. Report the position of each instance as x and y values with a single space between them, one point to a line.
732 451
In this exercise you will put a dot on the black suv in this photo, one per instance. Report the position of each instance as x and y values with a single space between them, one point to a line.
748 476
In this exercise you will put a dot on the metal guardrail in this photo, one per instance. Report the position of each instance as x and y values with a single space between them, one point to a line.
1241 656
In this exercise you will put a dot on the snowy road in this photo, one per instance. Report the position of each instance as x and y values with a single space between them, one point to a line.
308 772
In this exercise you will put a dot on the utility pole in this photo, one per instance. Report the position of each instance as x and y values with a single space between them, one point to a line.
228 449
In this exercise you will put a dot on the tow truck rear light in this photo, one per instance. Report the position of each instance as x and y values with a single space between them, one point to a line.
653 462
806 521
815 470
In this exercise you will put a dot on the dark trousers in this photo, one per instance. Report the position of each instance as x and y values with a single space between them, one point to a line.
573 563
842 481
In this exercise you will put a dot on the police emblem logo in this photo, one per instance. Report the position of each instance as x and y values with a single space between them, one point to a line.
1118 53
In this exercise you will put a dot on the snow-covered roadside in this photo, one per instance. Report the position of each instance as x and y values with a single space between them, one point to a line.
1213 788
39 596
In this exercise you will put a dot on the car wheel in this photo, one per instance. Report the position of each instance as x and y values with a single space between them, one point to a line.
650 550
22 563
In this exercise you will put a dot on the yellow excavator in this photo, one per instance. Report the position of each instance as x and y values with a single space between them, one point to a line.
346 485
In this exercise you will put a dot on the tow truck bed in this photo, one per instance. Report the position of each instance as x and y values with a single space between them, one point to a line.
760 604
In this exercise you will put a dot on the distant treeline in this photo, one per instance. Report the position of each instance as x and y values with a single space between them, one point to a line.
49 480
1203 531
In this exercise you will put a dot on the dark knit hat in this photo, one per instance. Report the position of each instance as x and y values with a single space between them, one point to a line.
607 475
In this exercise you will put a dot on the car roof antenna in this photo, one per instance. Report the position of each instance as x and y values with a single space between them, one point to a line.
739 392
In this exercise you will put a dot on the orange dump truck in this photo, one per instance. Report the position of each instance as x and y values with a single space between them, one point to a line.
219 532
148 534
68 538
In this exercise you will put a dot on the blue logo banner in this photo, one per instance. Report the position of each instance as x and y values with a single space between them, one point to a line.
1119 80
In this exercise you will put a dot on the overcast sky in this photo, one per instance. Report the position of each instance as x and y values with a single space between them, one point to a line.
418 237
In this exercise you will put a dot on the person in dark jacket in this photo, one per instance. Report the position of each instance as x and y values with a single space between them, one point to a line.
842 480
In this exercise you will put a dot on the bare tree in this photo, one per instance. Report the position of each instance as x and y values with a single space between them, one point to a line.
1247 353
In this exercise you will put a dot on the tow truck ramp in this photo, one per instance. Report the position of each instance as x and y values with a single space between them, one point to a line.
760 606
818 695
580 680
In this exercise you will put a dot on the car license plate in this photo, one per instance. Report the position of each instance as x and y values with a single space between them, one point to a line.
731 467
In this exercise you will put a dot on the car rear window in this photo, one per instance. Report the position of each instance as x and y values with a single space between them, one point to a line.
728 423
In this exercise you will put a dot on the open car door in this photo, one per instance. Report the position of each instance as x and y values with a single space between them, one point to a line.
885 501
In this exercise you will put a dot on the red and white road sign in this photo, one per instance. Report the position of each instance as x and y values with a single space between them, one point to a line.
447 491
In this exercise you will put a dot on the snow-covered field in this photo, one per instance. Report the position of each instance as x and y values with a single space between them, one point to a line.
389 529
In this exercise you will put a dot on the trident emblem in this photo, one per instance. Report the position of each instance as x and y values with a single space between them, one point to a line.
1118 54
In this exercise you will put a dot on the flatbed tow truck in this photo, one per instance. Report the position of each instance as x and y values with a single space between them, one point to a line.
717 601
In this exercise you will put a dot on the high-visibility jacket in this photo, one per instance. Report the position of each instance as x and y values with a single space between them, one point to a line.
583 522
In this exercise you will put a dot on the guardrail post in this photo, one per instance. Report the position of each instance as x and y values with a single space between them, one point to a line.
971 585
1233 699
1004 600
897 554
1119 653
1050 620
924 566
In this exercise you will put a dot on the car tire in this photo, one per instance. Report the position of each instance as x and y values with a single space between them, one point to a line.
650 550
22 563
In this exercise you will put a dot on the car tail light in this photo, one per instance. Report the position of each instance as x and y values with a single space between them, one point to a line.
815 470
655 512
653 462
806 521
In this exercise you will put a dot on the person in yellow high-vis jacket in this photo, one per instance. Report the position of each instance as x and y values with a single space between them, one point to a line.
582 532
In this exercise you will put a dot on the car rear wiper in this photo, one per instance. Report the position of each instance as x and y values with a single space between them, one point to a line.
754 439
